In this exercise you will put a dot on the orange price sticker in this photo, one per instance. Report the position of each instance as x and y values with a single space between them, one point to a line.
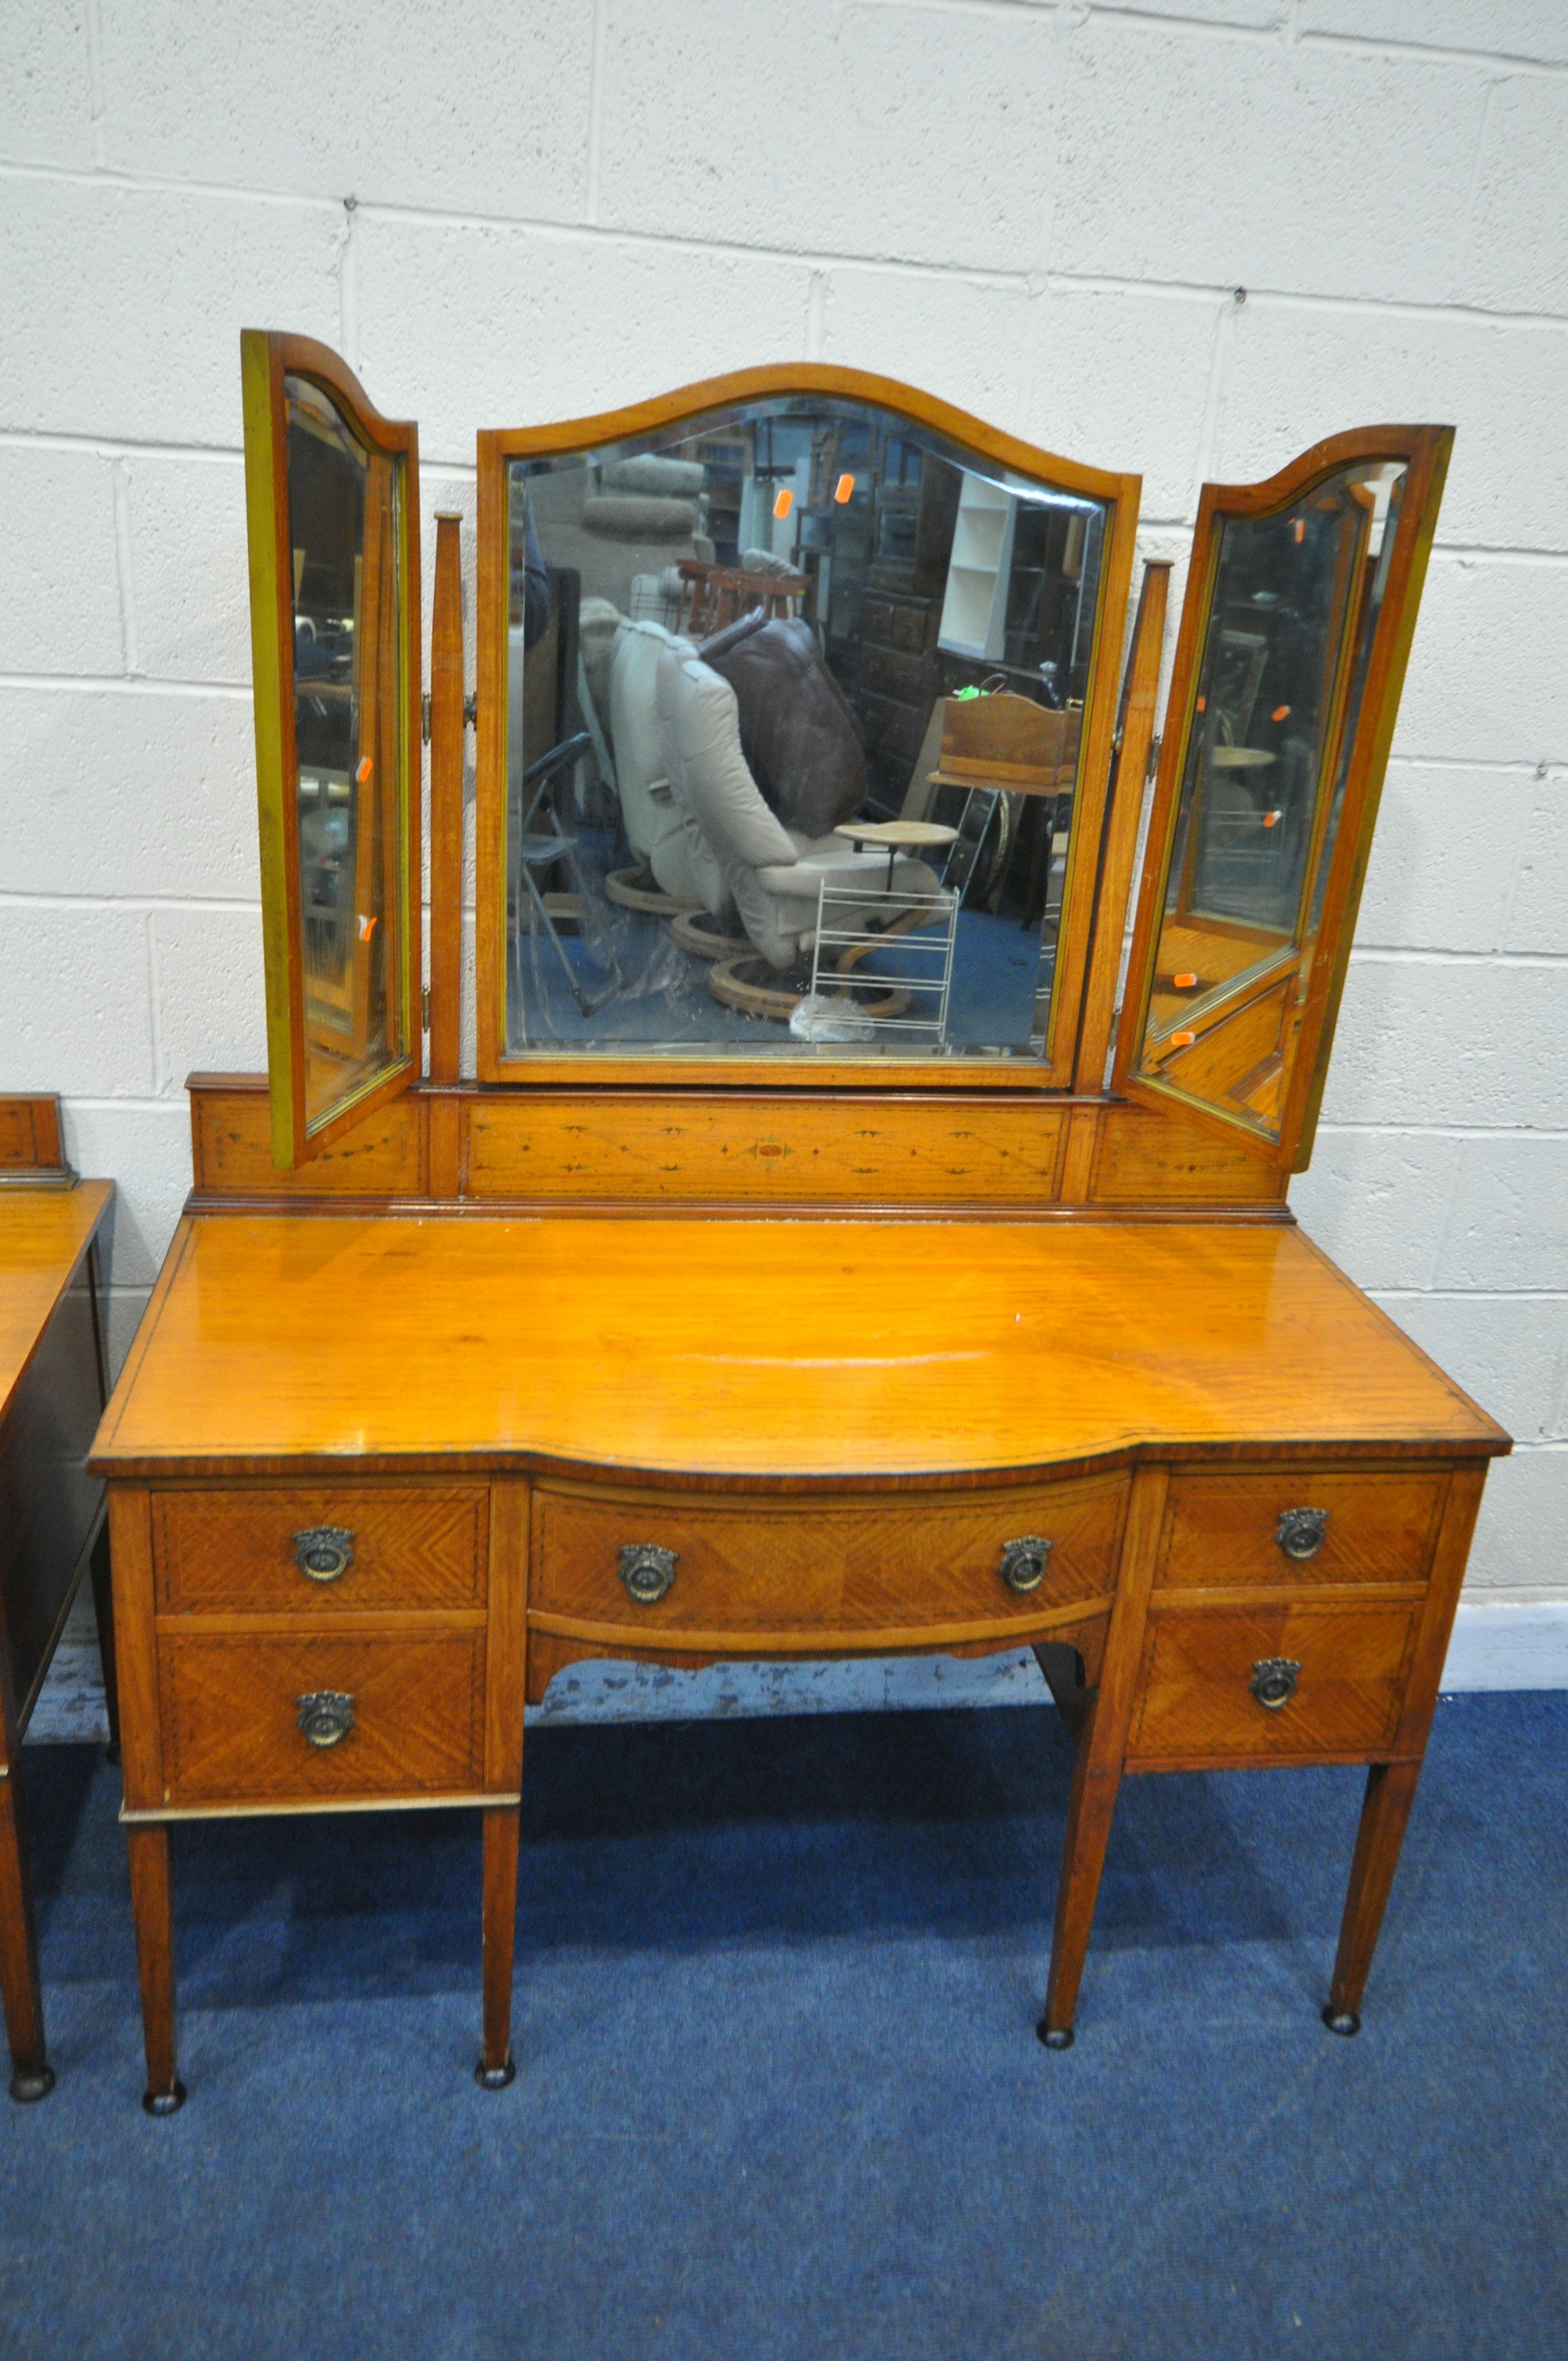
363 772
1184 982
784 502
1183 1041
1280 713
843 489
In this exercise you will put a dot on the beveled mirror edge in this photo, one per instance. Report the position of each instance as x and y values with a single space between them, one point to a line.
266 356
1137 713
781 379
1424 451
261 392
1122 493
1364 796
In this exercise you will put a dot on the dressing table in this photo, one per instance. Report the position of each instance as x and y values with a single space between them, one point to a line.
724 1315
54 1233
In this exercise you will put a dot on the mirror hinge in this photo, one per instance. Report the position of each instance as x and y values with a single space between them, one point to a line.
424 1008
470 714
1152 766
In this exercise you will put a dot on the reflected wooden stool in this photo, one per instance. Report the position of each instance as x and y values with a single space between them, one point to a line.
1007 744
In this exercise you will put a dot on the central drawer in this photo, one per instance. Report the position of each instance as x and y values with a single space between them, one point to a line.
320 1549
656 1564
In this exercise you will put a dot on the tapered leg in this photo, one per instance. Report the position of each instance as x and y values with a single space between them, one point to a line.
495 2069
1089 1814
1390 1791
1099 1722
104 1609
30 2074
152 1903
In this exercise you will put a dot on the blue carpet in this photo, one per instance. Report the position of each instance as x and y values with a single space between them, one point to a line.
779 2091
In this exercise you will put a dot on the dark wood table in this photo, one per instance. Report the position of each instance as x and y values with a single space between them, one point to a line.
53 1385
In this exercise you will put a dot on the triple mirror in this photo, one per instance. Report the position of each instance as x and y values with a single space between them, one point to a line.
798 751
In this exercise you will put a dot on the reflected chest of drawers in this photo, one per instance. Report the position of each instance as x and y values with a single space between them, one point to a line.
1214 1488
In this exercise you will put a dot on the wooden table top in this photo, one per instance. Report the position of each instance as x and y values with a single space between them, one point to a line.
777 1351
44 1233
909 834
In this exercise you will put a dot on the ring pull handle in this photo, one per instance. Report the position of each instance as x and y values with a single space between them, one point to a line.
1273 1681
326 1717
1300 1531
1022 1566
323 1552
647 1570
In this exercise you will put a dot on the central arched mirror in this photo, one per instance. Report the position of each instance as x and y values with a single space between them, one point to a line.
797 738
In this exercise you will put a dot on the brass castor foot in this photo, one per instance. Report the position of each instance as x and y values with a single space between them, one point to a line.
30 2082
494 2078
1054 2037
164 2102
1342 2020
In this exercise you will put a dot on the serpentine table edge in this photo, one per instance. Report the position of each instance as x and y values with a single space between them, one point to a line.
542 1439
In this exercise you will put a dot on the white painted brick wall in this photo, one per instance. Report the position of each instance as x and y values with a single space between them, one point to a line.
1040 212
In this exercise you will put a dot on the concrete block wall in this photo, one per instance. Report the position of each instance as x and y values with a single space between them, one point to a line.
1182 236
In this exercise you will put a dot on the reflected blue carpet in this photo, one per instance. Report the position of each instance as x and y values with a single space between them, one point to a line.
663 994
779 2092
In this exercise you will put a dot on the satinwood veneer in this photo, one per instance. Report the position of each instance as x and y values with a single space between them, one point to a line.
693 1344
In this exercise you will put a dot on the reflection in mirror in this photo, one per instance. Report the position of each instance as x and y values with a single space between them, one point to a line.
1292 619
795 694
343 533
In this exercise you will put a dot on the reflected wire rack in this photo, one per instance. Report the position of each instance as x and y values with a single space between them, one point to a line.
914 934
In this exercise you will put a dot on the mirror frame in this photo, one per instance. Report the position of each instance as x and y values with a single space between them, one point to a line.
266 358
1424 453
554 1070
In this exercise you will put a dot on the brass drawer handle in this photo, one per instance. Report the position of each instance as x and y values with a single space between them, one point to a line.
1273 1681
324 1552
1022 1566
1300 1531
647 1570
326 1717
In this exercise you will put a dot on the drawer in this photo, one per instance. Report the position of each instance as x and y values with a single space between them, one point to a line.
914 627
1224 1529
232 1708
767 1566
876 619
1196 1692
896 625
895 671
239 1552
891 727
